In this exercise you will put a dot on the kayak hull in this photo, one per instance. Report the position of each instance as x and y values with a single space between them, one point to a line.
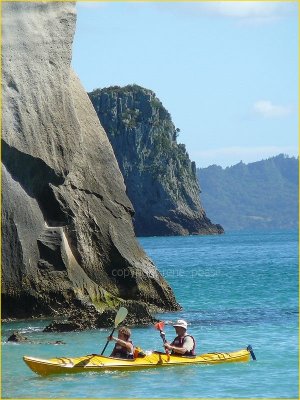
94 362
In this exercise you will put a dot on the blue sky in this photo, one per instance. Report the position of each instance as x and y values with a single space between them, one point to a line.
226 71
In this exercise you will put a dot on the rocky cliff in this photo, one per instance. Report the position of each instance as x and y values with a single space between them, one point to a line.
159 176
67 233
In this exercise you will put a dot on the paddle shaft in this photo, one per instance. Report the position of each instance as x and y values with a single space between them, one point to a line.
163 336
121 315
107 342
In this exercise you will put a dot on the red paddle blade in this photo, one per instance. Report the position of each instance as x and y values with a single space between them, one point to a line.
159 325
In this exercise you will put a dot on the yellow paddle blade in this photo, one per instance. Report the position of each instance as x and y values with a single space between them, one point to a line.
121 315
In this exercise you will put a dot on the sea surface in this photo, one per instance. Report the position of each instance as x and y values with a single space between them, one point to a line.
235 289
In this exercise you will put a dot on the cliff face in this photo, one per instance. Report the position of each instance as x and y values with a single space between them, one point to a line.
259 195
159 176
67 227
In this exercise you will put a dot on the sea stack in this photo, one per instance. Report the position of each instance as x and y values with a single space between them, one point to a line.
67 233
160 178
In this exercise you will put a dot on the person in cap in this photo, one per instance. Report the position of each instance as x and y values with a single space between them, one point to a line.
183 344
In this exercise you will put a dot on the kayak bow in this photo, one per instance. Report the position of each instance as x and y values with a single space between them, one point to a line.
96 362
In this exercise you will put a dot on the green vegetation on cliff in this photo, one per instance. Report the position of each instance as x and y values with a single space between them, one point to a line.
126 110
160 179
259 195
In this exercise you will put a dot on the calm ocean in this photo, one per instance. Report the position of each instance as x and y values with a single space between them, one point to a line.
236 289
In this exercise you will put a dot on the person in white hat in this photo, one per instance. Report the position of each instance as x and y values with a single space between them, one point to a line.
183 344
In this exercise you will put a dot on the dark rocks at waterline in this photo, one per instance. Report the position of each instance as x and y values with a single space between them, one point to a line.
64 326
18 337
69 227
138 314
160 178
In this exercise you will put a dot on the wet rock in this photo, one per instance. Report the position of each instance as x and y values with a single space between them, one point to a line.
63 326
18 338
58 342
138 314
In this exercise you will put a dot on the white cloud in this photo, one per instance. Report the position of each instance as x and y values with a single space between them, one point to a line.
243 12
269 110
245 9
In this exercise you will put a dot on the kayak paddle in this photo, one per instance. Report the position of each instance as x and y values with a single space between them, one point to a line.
121 315
160 326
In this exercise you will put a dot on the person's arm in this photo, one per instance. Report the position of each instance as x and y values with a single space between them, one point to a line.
128 345
178 350
188 345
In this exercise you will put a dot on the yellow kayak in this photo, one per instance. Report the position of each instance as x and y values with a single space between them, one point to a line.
94 362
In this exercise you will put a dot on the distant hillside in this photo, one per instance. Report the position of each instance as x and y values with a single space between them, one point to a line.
160 178
260 195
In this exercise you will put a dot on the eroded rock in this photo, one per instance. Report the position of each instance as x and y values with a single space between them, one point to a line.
67 221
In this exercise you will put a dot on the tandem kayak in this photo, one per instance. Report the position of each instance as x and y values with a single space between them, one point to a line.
94 362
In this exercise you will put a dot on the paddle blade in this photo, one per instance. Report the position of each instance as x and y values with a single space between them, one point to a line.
121 315
159 325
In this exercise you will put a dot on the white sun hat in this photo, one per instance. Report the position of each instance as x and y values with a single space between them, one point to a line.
181 323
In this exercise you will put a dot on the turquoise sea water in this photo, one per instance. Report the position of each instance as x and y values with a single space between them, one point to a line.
235 289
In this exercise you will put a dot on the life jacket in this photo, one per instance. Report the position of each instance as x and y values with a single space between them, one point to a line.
138 352
121 351
179 341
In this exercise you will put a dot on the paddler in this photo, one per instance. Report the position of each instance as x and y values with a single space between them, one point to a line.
123 347
183 344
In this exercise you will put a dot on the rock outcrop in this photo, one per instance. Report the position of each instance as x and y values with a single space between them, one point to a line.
138 314
17 337
160 179
67 234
